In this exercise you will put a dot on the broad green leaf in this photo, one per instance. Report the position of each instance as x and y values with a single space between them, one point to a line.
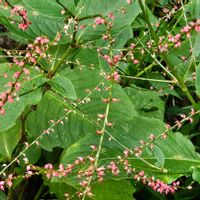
63 86
33 154
113 189
13 110
196 46
109 189
196 174
194 8
147 103
50 7
9 140
60 188
197 81
3 195
159 155
52 108
103 7
45 7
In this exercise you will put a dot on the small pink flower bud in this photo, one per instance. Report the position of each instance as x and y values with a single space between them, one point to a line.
10 99
17 74
99 21
2 111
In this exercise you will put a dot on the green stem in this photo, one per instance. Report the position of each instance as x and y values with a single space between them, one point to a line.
145 69
59 63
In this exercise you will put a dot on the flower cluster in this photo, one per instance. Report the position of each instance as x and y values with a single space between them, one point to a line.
20 11
156 184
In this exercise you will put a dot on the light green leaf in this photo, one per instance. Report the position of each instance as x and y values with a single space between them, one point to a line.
13 110
48 8
109 189
113 189
9 140
159 155
60 187
194 8
63 86
196 175
196 46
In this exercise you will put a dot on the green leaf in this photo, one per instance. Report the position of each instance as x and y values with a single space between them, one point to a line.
194 8
50 8
159 155
45 7
3 195
113 189
196 175
196 46
103 7
33 154
13 110
109 189
52 108
197 81
147 103
63 86
60 187
9 140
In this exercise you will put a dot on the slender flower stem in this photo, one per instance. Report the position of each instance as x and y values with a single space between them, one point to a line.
103 130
